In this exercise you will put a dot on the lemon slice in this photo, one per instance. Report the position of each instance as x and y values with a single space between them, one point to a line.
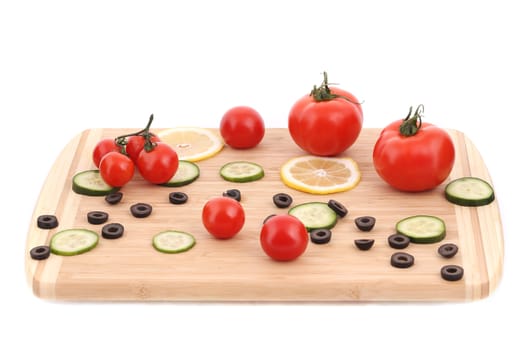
192 144
320 175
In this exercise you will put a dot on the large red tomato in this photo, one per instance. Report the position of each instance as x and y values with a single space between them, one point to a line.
327 121
413 156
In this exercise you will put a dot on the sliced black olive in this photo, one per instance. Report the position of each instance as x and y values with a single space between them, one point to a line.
268 218
40 252
114 198
398 241
365 223
97 217
47 221
112 231
364 244
339 209
402 260
141 210
320 236
282 200
452 272
233 193
178 197
448 250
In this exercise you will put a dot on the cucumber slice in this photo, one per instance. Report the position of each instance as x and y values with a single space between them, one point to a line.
422 228
73 242
469 192
90 183
241 171
315 215
187 172
173 241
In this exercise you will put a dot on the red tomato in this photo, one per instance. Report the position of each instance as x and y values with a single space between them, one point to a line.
326 122
158 165
135 144
102 148
416 162
242 127
116 169
284 237
223 217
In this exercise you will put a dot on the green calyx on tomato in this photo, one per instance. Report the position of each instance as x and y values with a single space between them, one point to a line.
324 93
412 122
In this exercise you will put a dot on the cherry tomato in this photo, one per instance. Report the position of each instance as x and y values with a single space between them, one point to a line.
158 165
223 217
116 169
413 156
242 127
135 144
284 237
326 122
102 148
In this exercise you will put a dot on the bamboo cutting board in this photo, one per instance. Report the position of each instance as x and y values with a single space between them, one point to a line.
237 269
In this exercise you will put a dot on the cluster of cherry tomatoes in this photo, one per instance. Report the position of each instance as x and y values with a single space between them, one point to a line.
117 158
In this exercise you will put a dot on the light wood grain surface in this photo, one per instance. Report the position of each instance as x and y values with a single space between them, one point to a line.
238 270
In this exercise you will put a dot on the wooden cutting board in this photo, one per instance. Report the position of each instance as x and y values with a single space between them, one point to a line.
236 270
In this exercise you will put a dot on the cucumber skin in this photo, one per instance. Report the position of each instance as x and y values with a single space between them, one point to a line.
423 240
87 192
81 251
183 183
308 228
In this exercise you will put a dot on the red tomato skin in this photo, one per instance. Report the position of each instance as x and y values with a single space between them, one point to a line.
242 127
159 165
284 238
223 217
135 144
414 163
116 169
325 128
102 148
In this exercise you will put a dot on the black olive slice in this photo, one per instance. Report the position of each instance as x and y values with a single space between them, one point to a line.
40 252
398 241
178 197
364 244
112 231
47 221
97 217
282 200
452 272
233 193
401 260
268 218
114 198
141 210
339 209
448 250
365 223
320 236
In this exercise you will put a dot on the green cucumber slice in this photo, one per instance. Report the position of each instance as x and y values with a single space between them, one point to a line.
172 242
73 242
315 215
90 183
469 192
241 171
187 172
422 228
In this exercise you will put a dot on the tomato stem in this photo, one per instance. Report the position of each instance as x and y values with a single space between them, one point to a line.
412 122
323 92
148 144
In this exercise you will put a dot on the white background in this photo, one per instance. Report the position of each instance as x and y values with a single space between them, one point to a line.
67 66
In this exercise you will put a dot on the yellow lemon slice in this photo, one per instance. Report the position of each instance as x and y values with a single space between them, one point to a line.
192 144
320 175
